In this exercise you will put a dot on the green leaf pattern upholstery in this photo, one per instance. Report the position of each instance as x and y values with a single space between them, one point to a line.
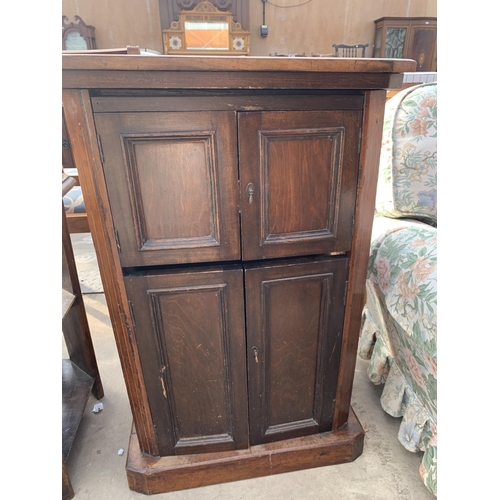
399 328
407 183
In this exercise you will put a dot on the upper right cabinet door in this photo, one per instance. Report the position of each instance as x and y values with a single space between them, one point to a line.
298 172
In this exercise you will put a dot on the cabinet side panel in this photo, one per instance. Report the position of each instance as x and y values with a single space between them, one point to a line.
84 145
358 263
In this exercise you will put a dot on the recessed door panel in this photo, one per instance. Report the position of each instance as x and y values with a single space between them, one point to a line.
422 47
295 314
191 339
172 183
298 181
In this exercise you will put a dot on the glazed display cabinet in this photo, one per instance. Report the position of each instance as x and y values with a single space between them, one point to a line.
231 202
408 37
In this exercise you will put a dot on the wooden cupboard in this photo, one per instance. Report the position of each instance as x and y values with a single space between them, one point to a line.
407 37
231 203
80 373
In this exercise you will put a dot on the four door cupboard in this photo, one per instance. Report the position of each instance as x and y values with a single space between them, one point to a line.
231 202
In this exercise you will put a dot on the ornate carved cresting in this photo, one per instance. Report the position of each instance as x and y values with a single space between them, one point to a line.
170 10
203 29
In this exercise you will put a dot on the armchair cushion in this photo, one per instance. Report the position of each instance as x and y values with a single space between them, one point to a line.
399 334
407 183
403 265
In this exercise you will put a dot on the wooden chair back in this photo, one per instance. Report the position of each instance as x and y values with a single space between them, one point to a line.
343 50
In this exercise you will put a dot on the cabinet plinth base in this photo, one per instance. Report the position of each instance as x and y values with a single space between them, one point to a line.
150 475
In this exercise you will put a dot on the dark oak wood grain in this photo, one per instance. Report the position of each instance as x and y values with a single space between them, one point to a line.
80 373
178 72
295 311
369 162
175 176
195 168
76 387
81 131
303 169
192 349
75 326
67 487
220 100
152 475
79 79
217 64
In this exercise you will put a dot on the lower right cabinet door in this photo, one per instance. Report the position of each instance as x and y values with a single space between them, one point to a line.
294 319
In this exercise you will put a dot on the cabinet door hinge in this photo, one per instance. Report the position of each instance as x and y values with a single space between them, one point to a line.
345 292
99 144
117 238
132 312
360 137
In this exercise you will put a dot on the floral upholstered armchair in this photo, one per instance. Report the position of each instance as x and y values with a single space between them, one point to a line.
399 330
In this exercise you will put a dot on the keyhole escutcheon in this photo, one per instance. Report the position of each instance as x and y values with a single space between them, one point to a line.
255 354
250 192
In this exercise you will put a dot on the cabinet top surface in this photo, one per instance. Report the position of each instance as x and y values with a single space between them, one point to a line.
124 62
85 71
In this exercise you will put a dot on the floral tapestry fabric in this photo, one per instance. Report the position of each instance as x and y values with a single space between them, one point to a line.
403 264
407 183
399 336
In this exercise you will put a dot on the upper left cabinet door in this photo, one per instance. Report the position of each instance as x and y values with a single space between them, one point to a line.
172 181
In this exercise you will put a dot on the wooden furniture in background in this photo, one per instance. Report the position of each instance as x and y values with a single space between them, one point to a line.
205 30
80 373
408 38
78 35
412 79
129 49
234 264
170 11
78 222
356 50
279 54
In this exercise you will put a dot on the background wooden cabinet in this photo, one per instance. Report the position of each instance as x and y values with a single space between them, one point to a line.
408 37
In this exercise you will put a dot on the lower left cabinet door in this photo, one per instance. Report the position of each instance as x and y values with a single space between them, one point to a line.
190 331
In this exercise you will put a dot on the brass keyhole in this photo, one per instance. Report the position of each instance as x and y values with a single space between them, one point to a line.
255 354
250 192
